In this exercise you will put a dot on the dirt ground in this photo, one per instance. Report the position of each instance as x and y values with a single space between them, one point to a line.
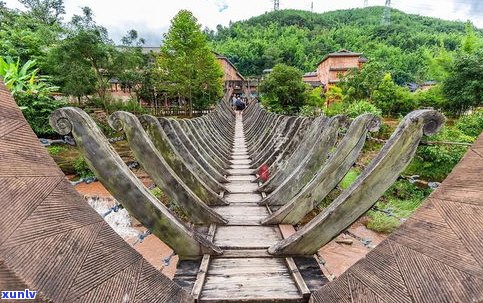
338 256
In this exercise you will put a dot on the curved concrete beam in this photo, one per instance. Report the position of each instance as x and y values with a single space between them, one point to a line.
160 171
303 171
329 175
379 175
289 135
200 145
213 181
126 187
284 168
191 148
189 175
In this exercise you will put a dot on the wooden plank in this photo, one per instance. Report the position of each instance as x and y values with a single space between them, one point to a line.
240 166
299 281
242 178
200 277
240 171
253 300
246 253
244 237
241 161
242 214
241 187
234 198
237 279
240 157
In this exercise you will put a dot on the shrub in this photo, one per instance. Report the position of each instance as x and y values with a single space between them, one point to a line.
435 162
37 109
81 168
432 97
33 93
335 108
310 111
361 107
471 125
131 106
315 97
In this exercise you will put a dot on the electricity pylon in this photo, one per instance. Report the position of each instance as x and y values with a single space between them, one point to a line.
366 3
276 5
386 16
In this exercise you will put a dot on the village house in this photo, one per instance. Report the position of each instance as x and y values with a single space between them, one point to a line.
334 65
231 75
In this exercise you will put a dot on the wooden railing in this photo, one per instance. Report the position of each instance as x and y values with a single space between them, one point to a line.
178 111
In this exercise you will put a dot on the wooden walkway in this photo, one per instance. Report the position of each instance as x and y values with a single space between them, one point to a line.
246 272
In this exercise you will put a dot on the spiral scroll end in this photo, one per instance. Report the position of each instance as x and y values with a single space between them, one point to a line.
433 121
374 124
60 122
115 122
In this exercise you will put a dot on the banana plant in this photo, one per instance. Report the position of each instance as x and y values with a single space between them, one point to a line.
24 78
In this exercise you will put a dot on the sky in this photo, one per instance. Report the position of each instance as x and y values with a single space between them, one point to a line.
151 18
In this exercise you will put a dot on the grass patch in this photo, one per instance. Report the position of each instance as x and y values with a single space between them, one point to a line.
381 222
399 202
55 149
349 178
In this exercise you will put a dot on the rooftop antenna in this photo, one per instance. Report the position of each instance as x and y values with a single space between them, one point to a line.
366 3
276 5
386 16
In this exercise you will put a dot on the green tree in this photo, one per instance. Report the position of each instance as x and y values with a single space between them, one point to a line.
188 68
47 11
438 62
129 62
24 36
470 42
81 63
464 86
360 84
393 99
283 90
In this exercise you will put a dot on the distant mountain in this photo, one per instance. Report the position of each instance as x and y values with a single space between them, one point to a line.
301 39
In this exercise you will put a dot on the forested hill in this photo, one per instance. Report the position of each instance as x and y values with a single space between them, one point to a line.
301 39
